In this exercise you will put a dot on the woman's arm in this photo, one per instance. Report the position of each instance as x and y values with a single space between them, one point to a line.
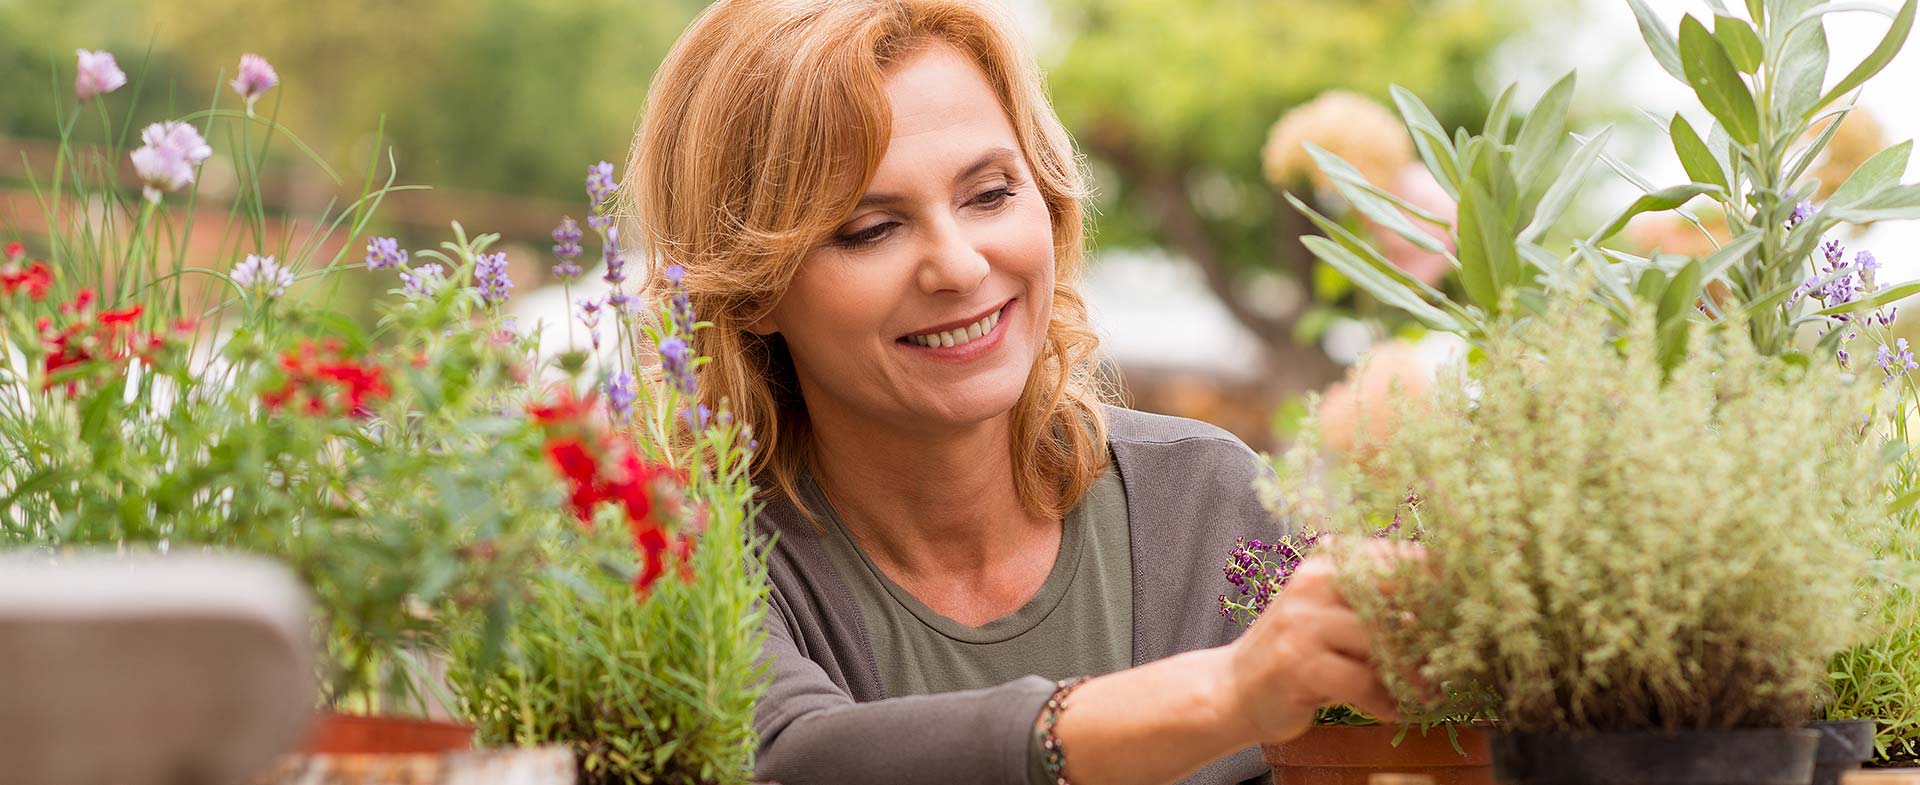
1158 722
1151 724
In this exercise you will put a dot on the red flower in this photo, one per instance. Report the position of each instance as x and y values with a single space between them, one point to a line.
577 465
566 409
35 280
651 542
321 380
121 317
15 250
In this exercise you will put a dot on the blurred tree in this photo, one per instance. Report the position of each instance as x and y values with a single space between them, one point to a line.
1173 102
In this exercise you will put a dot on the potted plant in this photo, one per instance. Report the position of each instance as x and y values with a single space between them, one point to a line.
1344 746
1593 519
641 648
398 472
1767 110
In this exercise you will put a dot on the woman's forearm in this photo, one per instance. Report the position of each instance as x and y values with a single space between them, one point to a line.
1155 723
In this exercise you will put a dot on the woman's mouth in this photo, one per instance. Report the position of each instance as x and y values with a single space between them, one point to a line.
976 334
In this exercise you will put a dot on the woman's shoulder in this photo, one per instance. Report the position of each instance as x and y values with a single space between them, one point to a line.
1159 437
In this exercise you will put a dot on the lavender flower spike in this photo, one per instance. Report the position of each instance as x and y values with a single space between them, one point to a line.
167 160
97 74
566 245
616 266
256 78
620 395
422 281
599 183
676 358
384 252
682 305
490 276
262 275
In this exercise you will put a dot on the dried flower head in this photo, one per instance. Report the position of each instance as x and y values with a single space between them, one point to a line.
1347 124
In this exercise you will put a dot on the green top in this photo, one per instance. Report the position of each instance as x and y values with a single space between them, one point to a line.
1080 622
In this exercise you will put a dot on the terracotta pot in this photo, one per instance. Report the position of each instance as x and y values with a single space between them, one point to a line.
355 734
1350 754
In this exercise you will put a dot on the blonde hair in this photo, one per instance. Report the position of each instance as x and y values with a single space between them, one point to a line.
763 127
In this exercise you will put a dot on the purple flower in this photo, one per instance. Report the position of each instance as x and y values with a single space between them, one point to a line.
616 267
599 182
681 305
598 222
620 395
1841 290
566 245
166 162
384 252
97 74
589 317
1801 212
697 416
676 358
422 281
624 304
256 78
490 276
262 275
1896 361
1833 250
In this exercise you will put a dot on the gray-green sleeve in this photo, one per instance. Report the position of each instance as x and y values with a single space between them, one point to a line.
812 731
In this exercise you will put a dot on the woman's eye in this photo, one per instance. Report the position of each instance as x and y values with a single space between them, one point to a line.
865 237
994 197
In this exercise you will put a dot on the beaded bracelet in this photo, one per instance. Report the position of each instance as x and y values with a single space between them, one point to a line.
1056 763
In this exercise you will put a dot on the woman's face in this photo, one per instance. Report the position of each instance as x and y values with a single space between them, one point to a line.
927 308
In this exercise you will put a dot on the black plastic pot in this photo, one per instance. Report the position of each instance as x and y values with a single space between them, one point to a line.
1844 745
1763 756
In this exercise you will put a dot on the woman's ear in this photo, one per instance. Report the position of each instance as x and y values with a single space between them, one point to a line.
764 326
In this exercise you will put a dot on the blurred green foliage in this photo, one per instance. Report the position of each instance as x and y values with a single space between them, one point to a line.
511 96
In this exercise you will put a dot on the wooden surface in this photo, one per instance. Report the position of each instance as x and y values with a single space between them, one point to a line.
537 766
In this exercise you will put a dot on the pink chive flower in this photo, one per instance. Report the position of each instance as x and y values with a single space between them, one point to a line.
256 77
262 275
97 74
166 162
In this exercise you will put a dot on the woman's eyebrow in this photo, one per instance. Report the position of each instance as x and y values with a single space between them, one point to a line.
995 155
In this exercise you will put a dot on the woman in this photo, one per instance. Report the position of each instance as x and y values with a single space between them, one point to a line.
878 207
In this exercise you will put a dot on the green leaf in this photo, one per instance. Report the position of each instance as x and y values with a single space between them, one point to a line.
1694 154
1720 260
1543 130
1361 250
1369 277
1876 60
1500 116
1718 84
1880 171
1882 297
1740 41
1801 71
1757 10
1489 262
1557 198
1383 208
1893 203
1436 150
1682 292
1659 40
1812 151
1663 199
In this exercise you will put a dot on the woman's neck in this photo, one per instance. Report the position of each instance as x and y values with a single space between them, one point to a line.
926 503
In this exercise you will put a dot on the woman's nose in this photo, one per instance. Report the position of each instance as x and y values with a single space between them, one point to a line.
950 262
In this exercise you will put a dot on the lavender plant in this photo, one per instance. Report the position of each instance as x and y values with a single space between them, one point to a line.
1615 543
658 687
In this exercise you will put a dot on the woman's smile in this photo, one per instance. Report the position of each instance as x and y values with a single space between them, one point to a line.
960 341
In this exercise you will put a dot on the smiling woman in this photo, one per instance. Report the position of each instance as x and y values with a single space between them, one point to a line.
879 209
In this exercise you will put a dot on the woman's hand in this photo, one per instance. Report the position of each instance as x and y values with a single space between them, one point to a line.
1308 649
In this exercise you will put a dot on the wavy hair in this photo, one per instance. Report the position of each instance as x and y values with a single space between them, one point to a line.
763 99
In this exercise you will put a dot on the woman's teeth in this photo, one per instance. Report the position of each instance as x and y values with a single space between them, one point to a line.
958 335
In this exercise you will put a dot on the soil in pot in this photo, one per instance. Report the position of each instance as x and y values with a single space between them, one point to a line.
1844 746
1757 756
1350 754
355 734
